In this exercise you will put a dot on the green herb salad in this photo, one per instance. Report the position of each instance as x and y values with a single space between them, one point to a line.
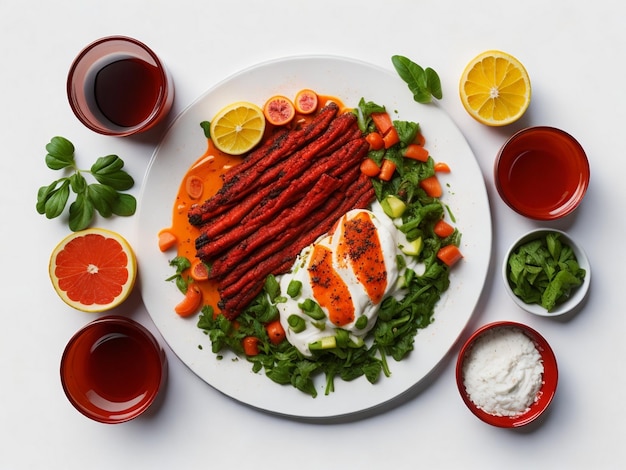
544 271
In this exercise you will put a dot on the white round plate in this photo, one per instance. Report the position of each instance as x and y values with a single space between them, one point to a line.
465 195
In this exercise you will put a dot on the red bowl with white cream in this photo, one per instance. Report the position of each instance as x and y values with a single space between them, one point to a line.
507 374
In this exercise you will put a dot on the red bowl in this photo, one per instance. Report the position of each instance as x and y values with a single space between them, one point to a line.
545 394
542 173
112 369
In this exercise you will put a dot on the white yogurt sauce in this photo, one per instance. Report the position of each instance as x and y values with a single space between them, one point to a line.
503 372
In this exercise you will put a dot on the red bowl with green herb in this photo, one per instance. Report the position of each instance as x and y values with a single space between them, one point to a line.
542 173
564 294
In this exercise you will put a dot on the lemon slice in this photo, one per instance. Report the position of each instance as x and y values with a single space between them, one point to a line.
495 88
238 128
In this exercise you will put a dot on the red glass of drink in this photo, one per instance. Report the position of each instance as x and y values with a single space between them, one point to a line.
542 173
118 86
112 369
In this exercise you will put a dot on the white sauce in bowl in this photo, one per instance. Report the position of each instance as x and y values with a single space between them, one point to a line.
503 372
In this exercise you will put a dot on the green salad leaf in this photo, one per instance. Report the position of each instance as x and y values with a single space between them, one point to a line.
544 271
181 264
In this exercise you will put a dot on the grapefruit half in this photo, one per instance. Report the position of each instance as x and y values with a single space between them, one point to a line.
93 270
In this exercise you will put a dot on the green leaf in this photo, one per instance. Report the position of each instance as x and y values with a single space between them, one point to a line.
363 112
120 180
45 193
124 205
424 84
60 146
60 153
56 200
554 245
108 164
81 213
78 183
181 263
559 289
422 95
206 127
408 70
406 131
433 83
108 170
372 371
102 197
272 287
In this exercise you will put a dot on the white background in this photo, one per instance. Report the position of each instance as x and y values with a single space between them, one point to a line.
575 56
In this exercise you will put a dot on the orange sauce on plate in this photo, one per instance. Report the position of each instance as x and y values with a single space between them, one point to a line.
208 169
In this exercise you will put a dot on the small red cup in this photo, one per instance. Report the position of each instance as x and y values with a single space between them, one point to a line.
118 86
112 369
542 173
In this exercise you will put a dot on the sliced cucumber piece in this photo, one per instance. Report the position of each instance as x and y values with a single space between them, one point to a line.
413 247
327 342
393 206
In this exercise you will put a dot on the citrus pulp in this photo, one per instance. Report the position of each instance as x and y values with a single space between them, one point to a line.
279 110
495 88
306 101
93 270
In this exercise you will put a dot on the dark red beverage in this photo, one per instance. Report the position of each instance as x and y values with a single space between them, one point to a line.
112 369
126 91
542 173
119 366
534 177
118 86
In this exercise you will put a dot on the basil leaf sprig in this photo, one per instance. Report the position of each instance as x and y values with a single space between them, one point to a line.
423 83
103 197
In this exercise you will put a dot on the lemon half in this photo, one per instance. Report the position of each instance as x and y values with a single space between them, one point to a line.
495 88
